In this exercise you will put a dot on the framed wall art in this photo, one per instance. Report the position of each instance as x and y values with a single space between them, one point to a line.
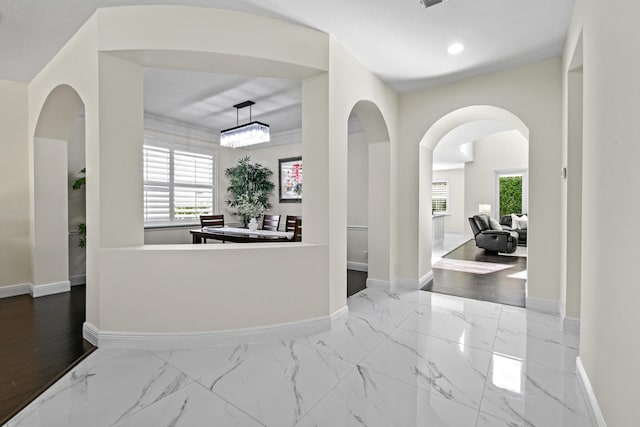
290 179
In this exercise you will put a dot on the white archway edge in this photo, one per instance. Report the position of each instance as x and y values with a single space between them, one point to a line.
459 117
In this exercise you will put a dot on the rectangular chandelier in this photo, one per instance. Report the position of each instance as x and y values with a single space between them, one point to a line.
243 135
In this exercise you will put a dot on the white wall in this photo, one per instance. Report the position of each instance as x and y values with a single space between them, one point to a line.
455 221
15 257
268 157
501 151
51 254
349 84
609 334
357 197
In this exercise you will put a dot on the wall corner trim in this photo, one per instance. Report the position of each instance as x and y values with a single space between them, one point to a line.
589 395
15 290
541 304
357 266
204 339
50 288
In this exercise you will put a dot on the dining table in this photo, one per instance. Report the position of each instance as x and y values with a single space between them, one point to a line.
239 235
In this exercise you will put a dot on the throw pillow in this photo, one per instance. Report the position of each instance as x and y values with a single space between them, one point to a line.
495 225
519 222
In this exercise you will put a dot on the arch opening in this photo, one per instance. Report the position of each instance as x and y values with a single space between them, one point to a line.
368 198
468 155
58 150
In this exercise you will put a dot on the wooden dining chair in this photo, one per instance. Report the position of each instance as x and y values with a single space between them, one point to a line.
270 222
290 225
211 221
297 230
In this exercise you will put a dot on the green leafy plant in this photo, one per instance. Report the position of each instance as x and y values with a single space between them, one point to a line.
250 187
510 195
82 227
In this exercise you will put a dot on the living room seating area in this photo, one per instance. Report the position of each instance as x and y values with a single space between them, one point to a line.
492 237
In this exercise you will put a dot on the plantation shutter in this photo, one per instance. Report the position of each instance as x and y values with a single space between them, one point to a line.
439 196
178 184
193 180
157 173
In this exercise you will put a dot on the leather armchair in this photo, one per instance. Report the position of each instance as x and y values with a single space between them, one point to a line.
492 240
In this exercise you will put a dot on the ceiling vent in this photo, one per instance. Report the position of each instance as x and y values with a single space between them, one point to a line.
429 3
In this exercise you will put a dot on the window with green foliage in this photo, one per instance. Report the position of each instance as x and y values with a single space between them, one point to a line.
178 183
510 194
439 196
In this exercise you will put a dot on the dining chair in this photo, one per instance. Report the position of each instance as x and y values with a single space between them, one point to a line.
297 230
290 224
270 222
211 221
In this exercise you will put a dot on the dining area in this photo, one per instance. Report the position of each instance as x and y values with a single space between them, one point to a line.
265 230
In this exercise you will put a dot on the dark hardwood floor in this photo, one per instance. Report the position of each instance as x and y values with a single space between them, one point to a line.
494 287
41 339
356 281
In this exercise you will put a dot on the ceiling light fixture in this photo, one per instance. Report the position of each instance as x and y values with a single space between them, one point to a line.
429 3
455 48
248 134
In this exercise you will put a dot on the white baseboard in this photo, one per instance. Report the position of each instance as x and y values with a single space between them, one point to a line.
405 283
425 279
357 266
194 340
15 290
592 402
79 279
339 316
541 304
50 288
571 324
378 284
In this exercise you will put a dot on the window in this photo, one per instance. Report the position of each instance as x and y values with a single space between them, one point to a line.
439 196
178 183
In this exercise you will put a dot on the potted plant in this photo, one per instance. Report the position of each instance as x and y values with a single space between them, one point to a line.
250 188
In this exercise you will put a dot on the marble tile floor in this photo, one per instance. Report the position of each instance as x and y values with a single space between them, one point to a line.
399 359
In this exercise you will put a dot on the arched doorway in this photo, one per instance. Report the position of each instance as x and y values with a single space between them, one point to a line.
368 197
51 184
475 149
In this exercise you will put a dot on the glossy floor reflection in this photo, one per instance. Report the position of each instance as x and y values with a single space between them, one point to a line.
400 359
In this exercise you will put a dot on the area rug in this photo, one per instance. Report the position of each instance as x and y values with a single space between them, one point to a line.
470 266
521 251
519 275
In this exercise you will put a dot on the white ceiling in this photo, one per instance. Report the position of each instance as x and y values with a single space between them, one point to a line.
207 100
449 153
402 42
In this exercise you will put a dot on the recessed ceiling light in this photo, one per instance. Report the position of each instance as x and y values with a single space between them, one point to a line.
455 48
